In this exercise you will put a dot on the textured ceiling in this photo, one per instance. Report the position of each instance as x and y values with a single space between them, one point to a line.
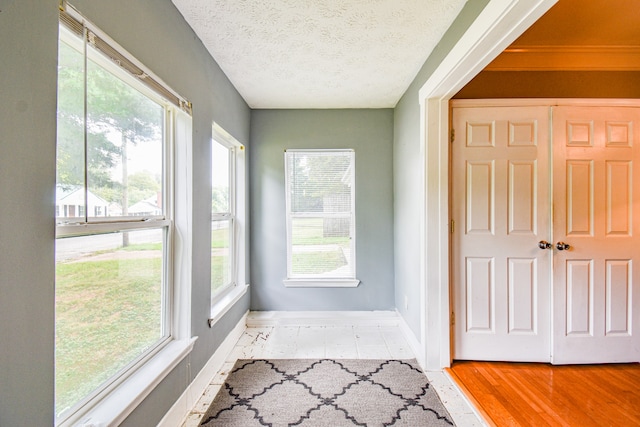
320 53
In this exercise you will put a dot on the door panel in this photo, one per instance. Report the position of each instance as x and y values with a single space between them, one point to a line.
579 309
480 288
506 306
595 298
500 199
480 197
521 203
579 197
522 293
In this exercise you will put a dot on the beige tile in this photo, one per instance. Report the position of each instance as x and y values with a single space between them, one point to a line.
398 352
255 336
342 351
373 352
339 335
368 336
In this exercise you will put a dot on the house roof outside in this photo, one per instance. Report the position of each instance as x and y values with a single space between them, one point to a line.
74 195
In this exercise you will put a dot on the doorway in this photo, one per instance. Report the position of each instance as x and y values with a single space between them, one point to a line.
542 239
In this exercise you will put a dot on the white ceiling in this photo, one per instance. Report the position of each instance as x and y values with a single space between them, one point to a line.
320 53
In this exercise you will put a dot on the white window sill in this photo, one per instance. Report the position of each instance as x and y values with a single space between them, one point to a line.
321 283
221 306
112 409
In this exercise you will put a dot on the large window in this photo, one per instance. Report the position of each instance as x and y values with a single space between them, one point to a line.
114 217
320 201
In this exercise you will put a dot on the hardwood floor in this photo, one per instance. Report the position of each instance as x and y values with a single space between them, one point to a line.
531 394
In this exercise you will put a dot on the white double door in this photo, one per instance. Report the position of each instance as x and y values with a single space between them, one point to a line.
545 254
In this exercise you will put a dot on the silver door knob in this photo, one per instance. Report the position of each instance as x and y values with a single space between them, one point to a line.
562 246
543 244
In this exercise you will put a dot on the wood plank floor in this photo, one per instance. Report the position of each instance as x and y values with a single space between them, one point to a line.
531 394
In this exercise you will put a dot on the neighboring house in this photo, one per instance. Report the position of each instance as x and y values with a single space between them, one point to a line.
70 203
146 207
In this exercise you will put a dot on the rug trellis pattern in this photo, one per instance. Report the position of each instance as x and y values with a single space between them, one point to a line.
326 392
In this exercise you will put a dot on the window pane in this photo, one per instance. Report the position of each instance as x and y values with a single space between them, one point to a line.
321 247
220 251
220 178
70 199
320 181
109 308
124 147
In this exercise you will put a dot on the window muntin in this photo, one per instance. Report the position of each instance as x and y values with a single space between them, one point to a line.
223 192
320 203
114 223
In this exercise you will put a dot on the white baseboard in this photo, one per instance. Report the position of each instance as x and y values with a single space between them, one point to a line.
257 319
180 410
416 347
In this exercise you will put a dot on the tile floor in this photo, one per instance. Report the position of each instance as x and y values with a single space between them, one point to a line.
339 342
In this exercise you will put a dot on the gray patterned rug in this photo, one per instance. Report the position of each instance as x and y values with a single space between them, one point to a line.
326 393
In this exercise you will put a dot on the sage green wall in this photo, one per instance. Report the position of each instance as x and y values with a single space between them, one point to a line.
28 48
370 134
407 179
157 35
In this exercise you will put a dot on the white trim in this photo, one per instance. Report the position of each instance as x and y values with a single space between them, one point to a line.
69 229
237 217
321 283
224 304
120 402
499 24
342 278
412 340
180 410
257 319
183 225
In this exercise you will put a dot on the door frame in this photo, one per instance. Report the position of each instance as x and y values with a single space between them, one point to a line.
497 26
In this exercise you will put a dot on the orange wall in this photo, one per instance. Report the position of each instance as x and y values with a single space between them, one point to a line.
552 84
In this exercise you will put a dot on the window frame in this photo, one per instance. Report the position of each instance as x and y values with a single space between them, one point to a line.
293 280
117 397
224 298
228 215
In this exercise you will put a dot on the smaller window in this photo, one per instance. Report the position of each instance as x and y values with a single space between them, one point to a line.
320 199
227 222
222 216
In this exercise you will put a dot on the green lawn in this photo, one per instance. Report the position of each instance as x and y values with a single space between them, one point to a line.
310 231
219 261
108 312
317 262
220 238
